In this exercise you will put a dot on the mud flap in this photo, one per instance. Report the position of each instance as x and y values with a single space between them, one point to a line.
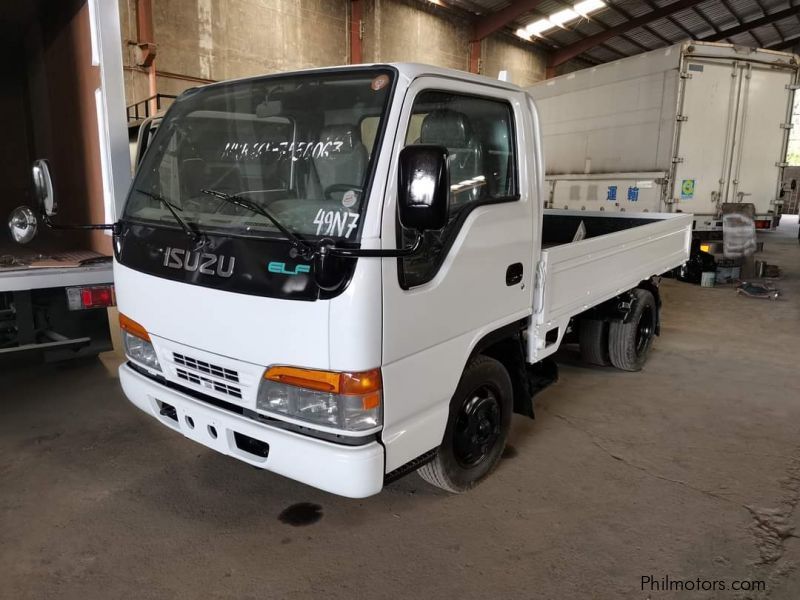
538 377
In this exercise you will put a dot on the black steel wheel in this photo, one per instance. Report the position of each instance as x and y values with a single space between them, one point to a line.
645 329
629 342
477 428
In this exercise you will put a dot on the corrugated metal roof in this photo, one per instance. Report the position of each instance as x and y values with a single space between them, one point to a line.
485 6
789 27
705 19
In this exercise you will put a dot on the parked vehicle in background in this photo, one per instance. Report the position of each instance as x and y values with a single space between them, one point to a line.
63 134
646 133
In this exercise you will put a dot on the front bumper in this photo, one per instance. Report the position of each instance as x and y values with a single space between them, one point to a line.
355 472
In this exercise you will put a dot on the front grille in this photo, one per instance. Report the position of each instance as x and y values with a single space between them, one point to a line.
217 386
204 367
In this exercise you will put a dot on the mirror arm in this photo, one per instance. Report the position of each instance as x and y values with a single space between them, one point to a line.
113 227
361 253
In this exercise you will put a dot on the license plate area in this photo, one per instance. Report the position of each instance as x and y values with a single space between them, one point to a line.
201 427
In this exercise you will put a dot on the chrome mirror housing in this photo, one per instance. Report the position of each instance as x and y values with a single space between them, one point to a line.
43 184
23 224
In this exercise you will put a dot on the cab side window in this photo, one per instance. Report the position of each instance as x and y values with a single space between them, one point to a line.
479 136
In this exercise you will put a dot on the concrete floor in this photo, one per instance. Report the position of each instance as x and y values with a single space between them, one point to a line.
689 469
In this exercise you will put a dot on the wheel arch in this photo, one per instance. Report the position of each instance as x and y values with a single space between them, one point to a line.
507 345
620 307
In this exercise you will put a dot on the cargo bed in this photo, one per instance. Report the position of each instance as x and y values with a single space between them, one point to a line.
50 264
59 270
34 314
618 251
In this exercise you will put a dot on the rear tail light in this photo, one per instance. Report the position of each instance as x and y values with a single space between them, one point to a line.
764 224
95 296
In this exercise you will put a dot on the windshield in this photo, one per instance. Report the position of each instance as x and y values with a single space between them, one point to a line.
301 147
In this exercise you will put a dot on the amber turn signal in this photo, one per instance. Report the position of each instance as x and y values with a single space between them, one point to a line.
347 384
132 327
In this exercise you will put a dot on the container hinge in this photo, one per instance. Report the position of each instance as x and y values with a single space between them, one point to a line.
685 75
793 87
677 160
781 164
786 125
681 118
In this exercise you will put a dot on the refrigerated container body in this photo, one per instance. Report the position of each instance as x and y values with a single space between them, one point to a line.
687 128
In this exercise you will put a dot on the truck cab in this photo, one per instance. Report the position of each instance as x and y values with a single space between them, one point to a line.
338 275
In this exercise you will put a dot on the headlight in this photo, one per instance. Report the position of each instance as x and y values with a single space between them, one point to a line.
349 401
137 343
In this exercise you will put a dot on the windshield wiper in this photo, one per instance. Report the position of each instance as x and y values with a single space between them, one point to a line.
172 209
306 249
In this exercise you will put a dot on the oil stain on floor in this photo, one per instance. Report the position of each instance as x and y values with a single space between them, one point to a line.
301 514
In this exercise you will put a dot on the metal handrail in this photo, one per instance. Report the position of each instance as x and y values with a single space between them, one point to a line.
134 113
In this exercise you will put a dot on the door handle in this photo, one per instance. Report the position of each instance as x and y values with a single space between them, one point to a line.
514 274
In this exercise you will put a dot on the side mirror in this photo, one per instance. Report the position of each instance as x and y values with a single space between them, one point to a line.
43 185
422 201
423 187
23 224
22 221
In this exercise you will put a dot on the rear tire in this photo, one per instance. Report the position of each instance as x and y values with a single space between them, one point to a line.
629 343
477 428
593 339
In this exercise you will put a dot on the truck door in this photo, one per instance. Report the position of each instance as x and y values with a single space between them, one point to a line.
764 112
705 135
471 278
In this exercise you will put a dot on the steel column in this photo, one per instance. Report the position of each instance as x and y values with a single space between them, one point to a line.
355 32
475 56
146 43
496 21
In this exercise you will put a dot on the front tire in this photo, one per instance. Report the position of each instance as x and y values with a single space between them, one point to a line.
477 428
629 342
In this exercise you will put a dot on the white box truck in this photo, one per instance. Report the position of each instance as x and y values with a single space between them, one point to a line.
687 128
62 113
346 274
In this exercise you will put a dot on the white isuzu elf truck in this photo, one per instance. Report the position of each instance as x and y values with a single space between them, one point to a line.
696 127
346 274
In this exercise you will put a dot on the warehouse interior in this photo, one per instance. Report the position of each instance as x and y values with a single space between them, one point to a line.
537 262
